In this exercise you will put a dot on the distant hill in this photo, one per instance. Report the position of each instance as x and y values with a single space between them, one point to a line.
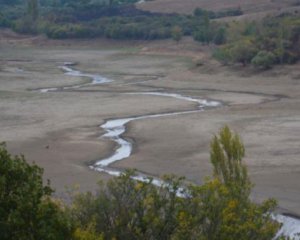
247 6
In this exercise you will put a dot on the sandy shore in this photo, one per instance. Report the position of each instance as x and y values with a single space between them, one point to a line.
60 130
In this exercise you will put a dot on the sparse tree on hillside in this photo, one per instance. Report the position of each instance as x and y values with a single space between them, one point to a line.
177 33
33 9
263 60
220 36
243 51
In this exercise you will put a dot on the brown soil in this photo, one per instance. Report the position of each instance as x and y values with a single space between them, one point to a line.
60 131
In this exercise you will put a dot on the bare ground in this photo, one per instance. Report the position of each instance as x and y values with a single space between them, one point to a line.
60 131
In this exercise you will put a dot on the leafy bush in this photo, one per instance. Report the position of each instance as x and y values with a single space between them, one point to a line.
223 55
243 51
219 209
25 25
199 12
4 22
263 59
273 41
69 31
220 36
125 208
176 33
26 208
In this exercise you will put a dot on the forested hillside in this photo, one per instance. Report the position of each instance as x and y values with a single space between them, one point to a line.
274 40
86 19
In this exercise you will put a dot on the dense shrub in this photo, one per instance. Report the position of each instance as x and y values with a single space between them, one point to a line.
3 21
26 208
25 25
70 31
263 59
219 209
125 208
241 41
212 15
111 19
223 55
273 41
220 36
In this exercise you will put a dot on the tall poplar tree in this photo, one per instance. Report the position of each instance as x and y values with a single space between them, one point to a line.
33 9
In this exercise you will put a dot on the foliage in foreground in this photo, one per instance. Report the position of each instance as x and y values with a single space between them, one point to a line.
128 209
219 209
26 210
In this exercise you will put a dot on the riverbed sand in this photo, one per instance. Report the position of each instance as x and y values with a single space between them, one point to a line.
60 130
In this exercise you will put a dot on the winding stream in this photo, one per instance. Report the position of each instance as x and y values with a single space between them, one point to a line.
115 128
96 79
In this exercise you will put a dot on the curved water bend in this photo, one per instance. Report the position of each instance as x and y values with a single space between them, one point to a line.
95 78
290 226
116 127
202 103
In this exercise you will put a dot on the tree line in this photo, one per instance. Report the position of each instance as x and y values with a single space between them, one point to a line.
128 209
274 40
102 18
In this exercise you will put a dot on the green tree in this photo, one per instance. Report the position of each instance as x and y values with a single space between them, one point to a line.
220 36
129 209
219 209
89 233
227 152
263 60
27 211
206 28
274 40
223 55
9 2
243 51
33 9
176 33
203 32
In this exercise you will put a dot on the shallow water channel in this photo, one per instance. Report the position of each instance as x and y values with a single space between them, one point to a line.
115 128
